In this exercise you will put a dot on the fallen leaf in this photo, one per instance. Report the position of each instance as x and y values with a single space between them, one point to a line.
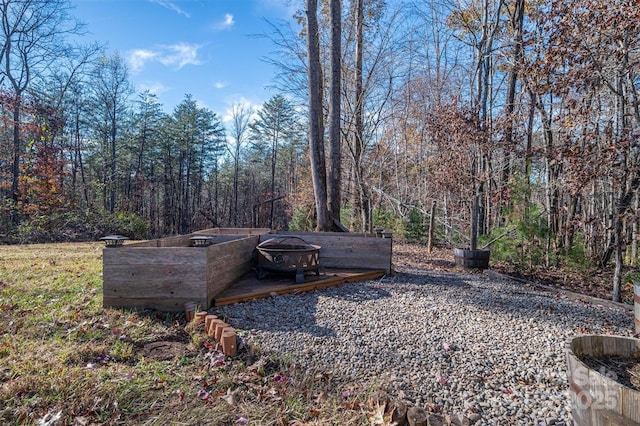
230 397
352 405
49 419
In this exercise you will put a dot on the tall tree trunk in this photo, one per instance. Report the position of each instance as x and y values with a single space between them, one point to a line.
274 158
517 20
316 128
362 197
236 177
112 161
635 234
15 188
473 233
432 222
335 169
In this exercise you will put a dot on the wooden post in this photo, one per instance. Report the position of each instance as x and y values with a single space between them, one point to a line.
473 233
432 220
636 305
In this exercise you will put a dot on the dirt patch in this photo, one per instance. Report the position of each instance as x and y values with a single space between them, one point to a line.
591 282
164 350
166 347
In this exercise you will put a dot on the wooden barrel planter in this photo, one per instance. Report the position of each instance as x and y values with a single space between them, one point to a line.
602 387
472 259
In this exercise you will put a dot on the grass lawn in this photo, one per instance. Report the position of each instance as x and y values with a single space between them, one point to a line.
64 359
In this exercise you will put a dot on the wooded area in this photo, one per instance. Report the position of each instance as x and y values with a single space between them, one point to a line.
529 107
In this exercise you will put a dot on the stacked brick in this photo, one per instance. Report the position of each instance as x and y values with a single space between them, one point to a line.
220 331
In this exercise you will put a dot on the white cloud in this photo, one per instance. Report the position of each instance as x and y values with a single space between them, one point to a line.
171 6
176 55
220 85
226 23
181 54
138 57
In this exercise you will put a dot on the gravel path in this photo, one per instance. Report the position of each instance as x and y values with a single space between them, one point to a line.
475 345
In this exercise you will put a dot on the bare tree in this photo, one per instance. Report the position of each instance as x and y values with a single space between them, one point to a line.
32 39
240 119
111 91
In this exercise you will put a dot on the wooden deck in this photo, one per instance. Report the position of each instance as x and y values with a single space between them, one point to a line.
250 288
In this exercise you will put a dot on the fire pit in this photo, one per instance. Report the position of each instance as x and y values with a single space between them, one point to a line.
288 255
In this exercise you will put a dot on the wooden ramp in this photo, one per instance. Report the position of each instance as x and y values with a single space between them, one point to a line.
249 287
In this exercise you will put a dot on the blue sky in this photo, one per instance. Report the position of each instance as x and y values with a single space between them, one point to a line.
206 48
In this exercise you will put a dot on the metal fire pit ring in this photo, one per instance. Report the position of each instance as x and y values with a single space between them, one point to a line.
288 255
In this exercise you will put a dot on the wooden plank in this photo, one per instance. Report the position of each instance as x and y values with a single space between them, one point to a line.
244 231
228 262
342 262
328 234
148 243
226 278
249 288
348 250
220 256
177 241
208 231
162 273
357 253
156 281
160 304
365 276
153 256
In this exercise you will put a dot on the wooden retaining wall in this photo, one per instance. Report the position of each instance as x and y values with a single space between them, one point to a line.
166 273
347 250
162 275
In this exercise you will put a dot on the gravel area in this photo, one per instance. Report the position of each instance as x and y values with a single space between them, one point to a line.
472 345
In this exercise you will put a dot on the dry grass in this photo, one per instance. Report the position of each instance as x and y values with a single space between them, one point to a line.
63 356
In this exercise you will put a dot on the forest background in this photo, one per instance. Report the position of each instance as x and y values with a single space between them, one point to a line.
527 110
